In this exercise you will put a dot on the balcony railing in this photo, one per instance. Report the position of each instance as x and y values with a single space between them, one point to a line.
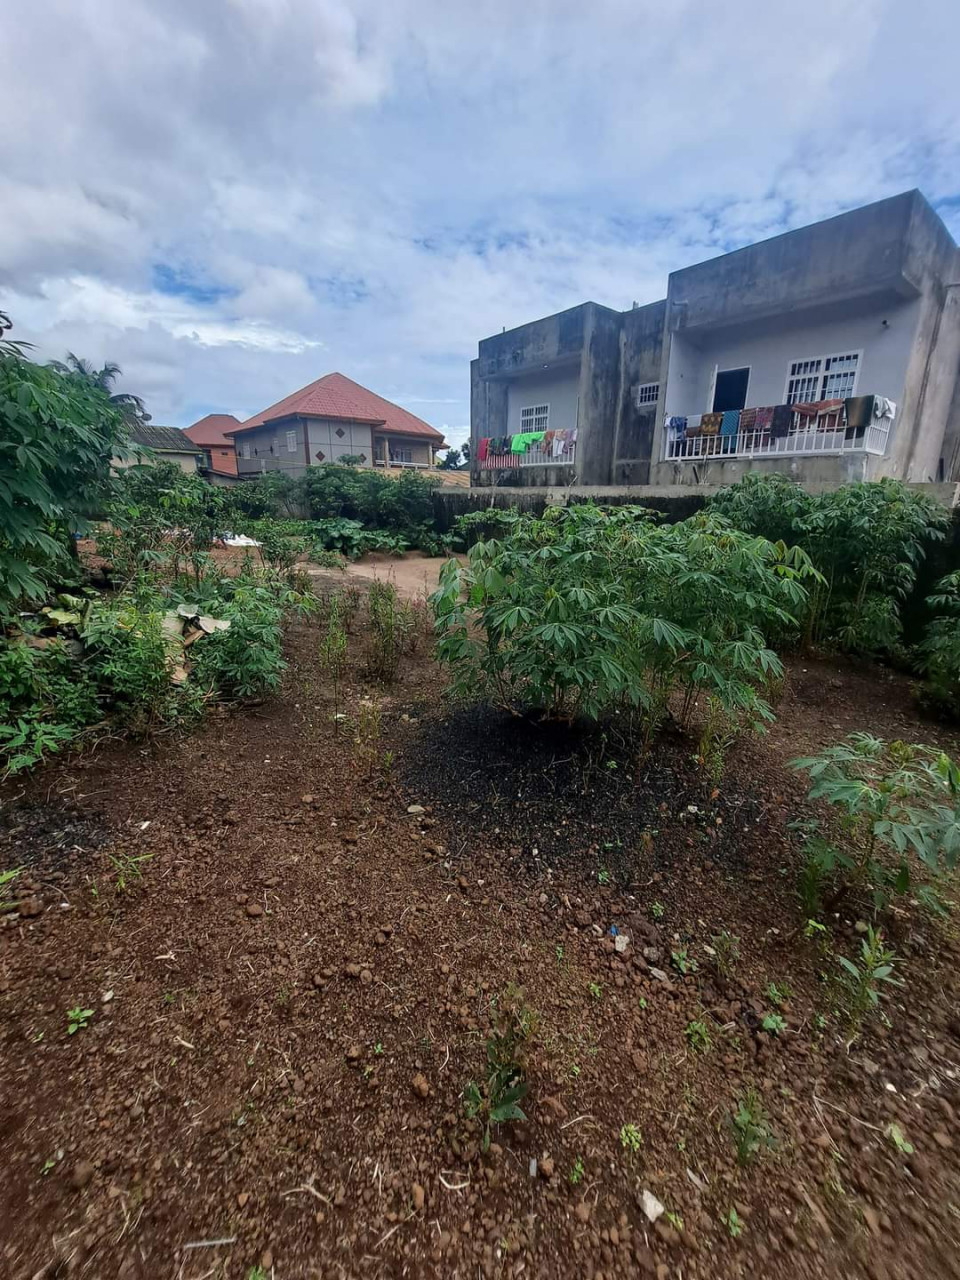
826 435
396 462
532 458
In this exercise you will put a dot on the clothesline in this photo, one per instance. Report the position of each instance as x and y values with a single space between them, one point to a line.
777 421
556 444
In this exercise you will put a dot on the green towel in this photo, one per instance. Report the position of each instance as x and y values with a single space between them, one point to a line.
523 441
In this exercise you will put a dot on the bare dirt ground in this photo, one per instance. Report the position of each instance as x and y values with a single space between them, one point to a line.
414 575
291 990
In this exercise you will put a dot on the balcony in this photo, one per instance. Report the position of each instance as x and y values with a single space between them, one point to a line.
826 435
532 458
399 462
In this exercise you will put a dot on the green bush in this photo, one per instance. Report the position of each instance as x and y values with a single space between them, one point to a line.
898 802
867 540
247 660
582 611
939 652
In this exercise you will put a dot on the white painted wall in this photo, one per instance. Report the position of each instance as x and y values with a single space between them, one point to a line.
770 349
559 388
357 439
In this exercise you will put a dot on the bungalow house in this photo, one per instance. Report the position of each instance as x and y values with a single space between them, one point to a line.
150 444
329 420
219 452
830 353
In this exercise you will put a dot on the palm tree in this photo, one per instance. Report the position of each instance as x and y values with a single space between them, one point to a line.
131 406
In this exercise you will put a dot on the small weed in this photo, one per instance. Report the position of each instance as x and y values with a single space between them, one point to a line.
631 1139
77 1019
128 868
778 995
726 946
378 1049
898 1138
675 1220
575 1070
732 1221
257 1273
775 1023
603 876
498 1100
576 1173
7 878
642 1003
559 955
169 997
657 910
698 1035
596 990
751 1128
47 1165
682 962
861 978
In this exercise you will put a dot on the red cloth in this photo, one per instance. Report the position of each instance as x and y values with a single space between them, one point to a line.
482 451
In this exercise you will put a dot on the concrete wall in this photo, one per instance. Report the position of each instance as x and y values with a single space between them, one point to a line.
356 440
187 462
559 388
531 346
771 346
641 358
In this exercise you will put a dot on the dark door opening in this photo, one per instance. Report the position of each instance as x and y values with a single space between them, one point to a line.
730 391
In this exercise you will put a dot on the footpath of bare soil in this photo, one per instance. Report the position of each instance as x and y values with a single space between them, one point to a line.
294 987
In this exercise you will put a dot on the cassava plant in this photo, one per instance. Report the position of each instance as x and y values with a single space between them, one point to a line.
899 804
939 654
584 611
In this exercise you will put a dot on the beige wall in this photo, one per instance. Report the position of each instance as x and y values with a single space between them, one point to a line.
407 450
187 462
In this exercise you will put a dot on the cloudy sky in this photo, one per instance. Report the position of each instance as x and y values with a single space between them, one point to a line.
232 197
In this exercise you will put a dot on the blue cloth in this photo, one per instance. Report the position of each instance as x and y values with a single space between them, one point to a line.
677 423
731 422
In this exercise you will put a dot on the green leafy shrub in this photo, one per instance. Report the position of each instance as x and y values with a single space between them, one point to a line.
247 660
583 611
392 631
897 802
751 1128
939 654
866 539
58 434
497 1100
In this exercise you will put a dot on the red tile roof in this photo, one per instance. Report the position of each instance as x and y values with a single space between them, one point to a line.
334 396
209 430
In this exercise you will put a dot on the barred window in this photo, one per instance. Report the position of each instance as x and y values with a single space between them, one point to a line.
535 417
822 378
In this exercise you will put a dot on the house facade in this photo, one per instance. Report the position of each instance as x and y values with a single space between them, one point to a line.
149 445
219 454
830 353
330 420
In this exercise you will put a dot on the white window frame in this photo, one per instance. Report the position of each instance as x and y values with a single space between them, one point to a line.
821 373
535 417
401 454
648 393
245 450
291 442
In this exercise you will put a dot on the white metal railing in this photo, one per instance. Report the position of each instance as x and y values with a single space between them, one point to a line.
803 437
532 458
395 462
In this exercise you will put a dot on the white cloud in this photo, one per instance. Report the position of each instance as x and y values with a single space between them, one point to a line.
374 185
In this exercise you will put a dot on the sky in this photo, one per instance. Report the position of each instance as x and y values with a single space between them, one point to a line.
230 198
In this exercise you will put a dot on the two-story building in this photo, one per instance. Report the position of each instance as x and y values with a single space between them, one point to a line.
329 420
830 353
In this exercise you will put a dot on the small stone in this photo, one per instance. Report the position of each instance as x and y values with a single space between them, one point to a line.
254 909
420 1085
306 799
419 1197
659 975
354 1054
31 907
319 980
242 1198
651 1206
620 943
352 970
547 1167
582 1211
415 808
266 1259
366 977
82 1173
872 1219
943 1140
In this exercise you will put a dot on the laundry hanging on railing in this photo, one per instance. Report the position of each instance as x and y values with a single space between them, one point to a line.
730 422
781 421
524 439
860 411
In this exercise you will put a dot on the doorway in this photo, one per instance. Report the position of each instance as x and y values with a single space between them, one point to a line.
730 389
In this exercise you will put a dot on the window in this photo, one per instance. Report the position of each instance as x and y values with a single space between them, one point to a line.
401 455
291 442
535 417
730 389
822 378
245 449
648 393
